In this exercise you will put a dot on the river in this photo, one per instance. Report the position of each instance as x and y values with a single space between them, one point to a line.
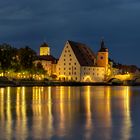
70 113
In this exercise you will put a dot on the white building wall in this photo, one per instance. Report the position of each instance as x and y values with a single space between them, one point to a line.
68 67
92 74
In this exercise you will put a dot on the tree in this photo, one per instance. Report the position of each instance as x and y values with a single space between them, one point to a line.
26 57
7 56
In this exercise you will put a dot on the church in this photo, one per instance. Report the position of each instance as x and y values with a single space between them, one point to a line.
79 63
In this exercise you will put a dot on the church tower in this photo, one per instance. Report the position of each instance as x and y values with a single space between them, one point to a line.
102 56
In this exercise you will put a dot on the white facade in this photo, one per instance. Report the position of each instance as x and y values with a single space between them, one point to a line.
69 68
92 74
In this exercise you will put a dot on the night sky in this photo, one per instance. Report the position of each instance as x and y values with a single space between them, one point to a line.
31 22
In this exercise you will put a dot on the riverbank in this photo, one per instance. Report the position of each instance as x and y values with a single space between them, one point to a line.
17 83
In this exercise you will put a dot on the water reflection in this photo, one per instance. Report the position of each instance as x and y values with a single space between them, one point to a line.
65 112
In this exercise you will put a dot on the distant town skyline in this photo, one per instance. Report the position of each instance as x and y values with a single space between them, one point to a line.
33 22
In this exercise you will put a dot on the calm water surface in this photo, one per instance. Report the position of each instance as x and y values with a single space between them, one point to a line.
71 113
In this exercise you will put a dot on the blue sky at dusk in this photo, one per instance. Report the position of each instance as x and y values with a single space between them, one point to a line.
87 21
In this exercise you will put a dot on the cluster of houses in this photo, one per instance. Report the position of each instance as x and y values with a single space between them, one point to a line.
78 62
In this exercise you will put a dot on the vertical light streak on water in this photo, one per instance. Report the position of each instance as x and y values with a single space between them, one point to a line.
61 107
37 112
88 124
49 114
23 112
8 114
2 117
18 112
108 106
127 124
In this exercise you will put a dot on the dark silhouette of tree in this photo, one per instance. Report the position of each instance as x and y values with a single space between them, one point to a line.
26 57
7 56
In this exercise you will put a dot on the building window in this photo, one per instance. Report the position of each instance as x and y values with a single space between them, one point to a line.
64 59
75 73
69 73
75 68
93 69
68 50
70 59
65 51
69 63
64 64
89 69
64 68
93 73
59 73
59 68
64 73
75 78
70 55
74 63
64 55
69 68
101 57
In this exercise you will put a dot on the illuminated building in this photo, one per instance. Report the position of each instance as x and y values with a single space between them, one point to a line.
46 60
44 49
78 63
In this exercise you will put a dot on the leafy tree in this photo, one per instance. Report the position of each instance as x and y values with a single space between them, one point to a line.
7 56
26 57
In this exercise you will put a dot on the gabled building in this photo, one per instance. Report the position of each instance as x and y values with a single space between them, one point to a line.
78 63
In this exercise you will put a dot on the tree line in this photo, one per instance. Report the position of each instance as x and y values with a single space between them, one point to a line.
18 60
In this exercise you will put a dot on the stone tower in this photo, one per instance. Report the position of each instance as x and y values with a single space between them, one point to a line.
44 49
102 56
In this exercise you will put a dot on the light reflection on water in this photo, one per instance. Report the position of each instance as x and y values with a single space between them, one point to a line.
67 113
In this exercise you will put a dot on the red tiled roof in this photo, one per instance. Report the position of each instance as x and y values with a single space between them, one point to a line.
84 54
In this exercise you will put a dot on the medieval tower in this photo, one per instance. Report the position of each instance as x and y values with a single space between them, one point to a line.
102 56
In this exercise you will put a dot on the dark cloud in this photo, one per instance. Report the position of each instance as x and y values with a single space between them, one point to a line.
32 22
